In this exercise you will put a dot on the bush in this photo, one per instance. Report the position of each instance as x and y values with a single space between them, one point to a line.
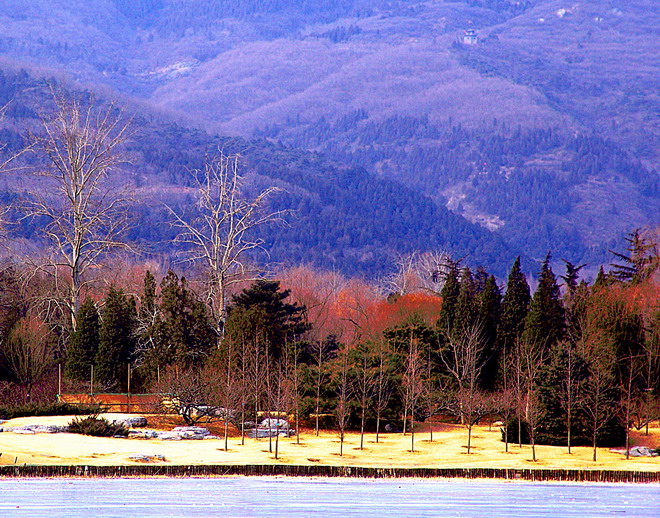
97 427
45 409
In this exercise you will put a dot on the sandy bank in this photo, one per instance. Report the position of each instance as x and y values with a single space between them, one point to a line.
447 450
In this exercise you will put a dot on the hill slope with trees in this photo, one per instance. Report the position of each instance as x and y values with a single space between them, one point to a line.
545 131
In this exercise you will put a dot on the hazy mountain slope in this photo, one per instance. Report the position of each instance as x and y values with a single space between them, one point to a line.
595 61
546 132
341 217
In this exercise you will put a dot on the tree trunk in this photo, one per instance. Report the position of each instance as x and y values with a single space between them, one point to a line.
243 424
469 444
594 443
277 445
362 418
568 437
318 398
412 437
270 433
297 426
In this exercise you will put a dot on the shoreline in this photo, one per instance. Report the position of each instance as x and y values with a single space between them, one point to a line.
534 475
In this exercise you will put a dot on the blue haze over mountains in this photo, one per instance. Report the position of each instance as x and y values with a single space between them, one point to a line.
388 133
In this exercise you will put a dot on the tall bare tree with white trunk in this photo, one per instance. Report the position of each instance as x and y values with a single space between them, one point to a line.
219 233
80 145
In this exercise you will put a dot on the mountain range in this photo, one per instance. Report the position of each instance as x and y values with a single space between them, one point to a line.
526 126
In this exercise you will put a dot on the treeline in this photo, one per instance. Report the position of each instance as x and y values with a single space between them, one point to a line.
569 364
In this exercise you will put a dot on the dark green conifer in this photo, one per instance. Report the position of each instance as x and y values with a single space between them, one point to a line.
640 261
81 353
571 277
574 300
602 279
148 300
449 294
545 323
116 340
466 303
490 312
515 306
266 306
480 279
183 330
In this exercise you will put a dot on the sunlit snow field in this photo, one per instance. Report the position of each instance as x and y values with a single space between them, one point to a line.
305 497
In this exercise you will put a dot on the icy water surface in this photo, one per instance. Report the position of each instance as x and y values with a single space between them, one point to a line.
268 497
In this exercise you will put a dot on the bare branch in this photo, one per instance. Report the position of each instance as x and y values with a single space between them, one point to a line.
219 233
85 219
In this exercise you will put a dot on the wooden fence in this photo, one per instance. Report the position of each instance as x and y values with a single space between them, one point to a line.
530 475
125 403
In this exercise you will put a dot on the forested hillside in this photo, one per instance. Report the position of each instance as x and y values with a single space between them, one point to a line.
544 132
338 215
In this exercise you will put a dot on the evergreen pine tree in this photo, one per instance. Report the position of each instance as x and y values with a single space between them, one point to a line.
480 279
574 299
640 262
183 330
148 300
545 323
116 340
81 353
449 294
263 303
602 279
515 306
146 353
466 303
490 311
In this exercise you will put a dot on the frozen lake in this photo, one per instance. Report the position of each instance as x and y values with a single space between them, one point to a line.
271 497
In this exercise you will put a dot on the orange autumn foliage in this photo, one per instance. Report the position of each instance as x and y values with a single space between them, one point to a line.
352 310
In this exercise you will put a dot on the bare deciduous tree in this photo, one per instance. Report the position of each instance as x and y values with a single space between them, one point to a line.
28 352
569 391
419 272
648 405
191 393
85 218
505 401
463 358
5 161
412 383
280 397
403 280
529 358
599 405
383 382
322 352
343 410
219 232
363 382
432 269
